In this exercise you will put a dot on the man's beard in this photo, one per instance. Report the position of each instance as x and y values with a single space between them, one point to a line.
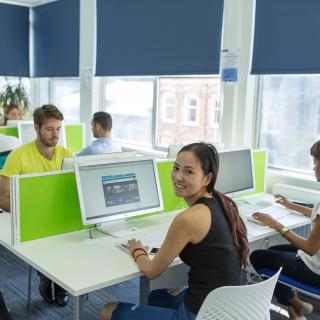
46 142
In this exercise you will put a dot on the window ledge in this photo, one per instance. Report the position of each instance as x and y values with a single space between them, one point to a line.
289 177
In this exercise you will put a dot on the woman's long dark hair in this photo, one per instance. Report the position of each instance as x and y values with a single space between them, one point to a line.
208 156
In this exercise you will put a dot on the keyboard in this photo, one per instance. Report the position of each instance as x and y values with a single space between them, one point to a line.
276 211
151 239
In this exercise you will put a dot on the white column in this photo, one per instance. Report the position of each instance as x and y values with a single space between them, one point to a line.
87 62
238 99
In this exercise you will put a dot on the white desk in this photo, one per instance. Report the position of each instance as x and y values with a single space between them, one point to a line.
81 265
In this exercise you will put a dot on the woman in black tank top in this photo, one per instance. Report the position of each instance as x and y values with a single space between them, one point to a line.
209 237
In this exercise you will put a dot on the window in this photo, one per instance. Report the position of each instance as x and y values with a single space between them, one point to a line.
196 110
184 109
191 106
168 105
65 94
130 102
289 121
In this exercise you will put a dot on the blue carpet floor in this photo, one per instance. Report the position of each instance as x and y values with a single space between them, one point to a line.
13 283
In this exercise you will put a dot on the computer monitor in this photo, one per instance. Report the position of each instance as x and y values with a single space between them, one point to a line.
27 133
236 174
68 163
111 191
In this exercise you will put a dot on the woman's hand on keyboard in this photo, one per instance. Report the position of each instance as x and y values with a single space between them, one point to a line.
134 244
282 200
267 220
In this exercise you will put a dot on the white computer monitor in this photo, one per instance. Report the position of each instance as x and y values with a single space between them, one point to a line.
27 132
68 163
236 172
111 191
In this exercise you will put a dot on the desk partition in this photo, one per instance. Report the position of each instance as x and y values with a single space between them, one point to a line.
46 204
9 131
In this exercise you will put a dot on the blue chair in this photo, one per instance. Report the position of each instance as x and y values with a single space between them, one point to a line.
3 158
306 289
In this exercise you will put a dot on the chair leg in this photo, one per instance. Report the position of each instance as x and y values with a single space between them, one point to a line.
4 313
268 315
29 289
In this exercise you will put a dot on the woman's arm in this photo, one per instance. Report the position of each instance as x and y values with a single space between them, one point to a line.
292 206
310 245
185 228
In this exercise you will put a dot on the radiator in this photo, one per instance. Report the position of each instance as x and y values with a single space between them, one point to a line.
296 193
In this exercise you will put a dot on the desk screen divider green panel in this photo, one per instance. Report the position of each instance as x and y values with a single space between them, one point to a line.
75 136
49 206
260 162
170 201
9 131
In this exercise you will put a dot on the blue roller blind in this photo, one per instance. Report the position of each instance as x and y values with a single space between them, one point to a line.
158 37
56 39
14 39
286 37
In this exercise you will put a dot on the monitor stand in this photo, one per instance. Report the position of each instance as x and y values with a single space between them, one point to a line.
120 228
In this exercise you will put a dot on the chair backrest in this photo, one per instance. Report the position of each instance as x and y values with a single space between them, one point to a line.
249 302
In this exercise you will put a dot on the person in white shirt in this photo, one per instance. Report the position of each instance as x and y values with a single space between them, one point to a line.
301 258
101 129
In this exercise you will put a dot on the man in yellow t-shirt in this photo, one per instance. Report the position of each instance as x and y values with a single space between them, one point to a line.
41 155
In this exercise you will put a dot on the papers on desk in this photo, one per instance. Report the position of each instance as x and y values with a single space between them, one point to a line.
276 211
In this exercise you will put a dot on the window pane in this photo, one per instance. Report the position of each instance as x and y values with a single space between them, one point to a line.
196 109
130 102
65 94
289 124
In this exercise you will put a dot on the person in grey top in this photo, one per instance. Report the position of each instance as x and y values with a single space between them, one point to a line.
101 129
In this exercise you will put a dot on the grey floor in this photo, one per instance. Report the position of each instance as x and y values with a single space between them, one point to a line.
13 282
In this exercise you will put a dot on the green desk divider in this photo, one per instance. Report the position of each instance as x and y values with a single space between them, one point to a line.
260 162
49 206
170 201
75 137
9 131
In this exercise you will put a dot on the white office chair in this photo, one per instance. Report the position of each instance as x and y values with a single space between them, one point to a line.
249 302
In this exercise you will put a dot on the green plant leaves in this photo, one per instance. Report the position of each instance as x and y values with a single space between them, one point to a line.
14 94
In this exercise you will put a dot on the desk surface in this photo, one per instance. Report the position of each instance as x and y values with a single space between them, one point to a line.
81 265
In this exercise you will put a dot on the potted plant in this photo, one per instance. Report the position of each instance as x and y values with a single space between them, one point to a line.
14 94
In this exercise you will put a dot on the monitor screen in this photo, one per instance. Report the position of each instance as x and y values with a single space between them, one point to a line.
235 174
68 163
115 190
27 133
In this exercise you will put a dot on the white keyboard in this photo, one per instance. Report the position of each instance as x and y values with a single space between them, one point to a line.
276 211
149 239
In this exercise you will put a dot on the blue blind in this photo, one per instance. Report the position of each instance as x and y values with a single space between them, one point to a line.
14 39
158 37
286 37
56 39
